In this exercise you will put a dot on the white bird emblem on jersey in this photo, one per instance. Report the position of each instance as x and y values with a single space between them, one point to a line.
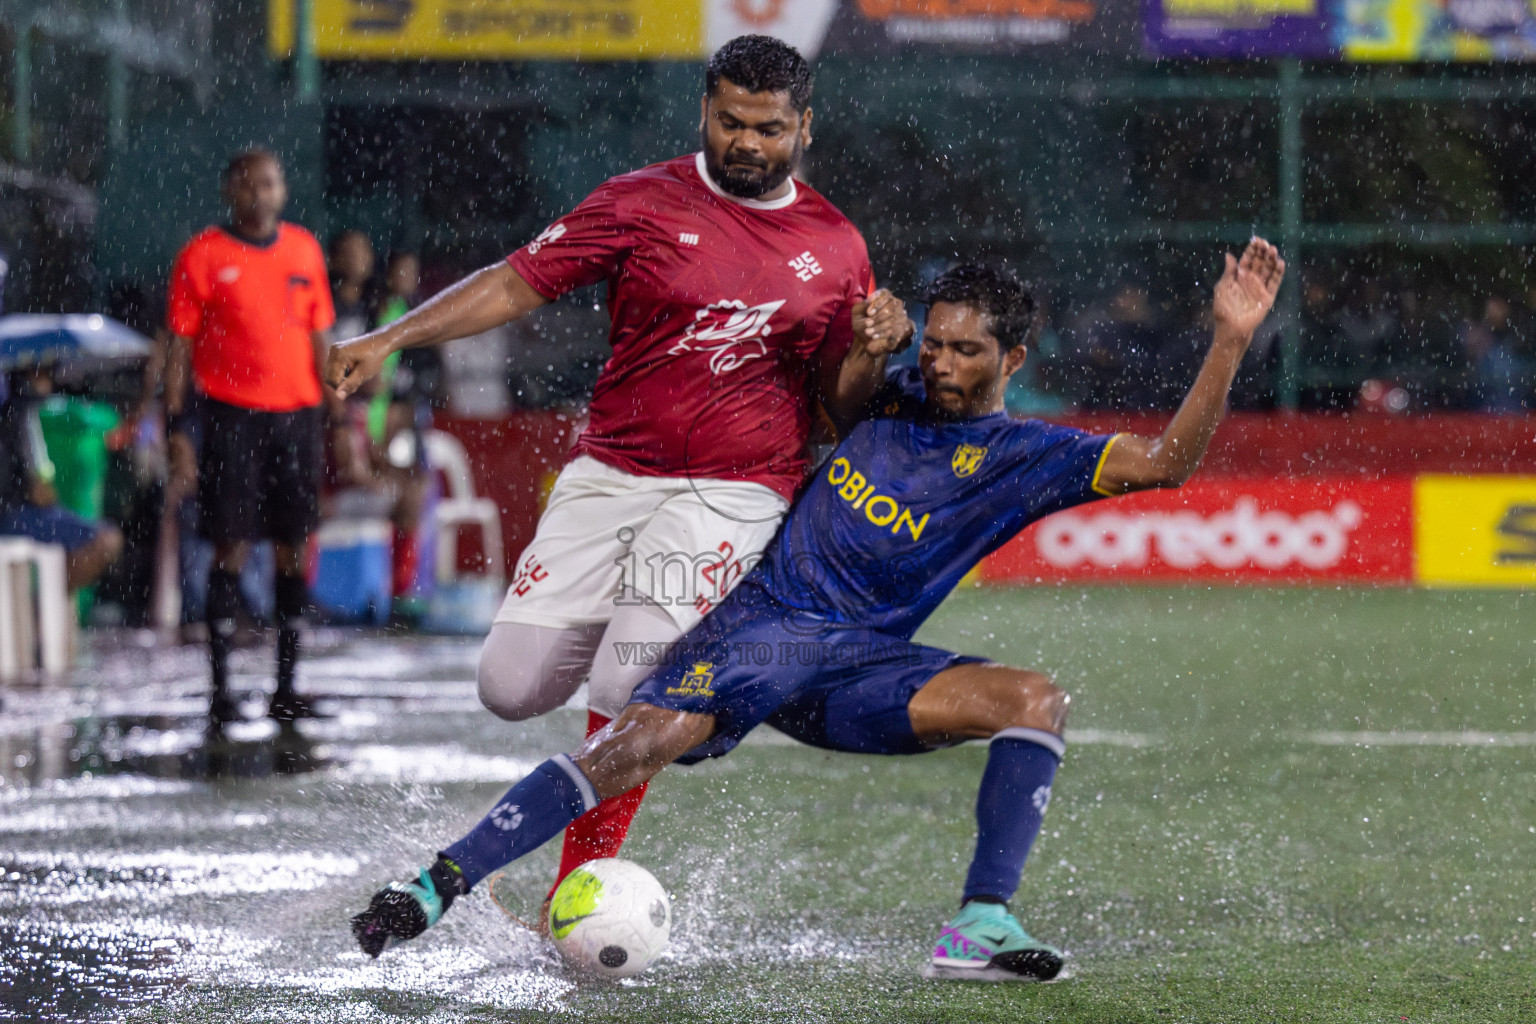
731 331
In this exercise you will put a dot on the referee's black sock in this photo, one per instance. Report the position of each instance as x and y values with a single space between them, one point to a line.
223 608
292 605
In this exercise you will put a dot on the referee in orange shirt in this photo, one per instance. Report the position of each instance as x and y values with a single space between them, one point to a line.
248 309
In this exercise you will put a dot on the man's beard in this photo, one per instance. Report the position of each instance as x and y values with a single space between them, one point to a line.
938 411
746 178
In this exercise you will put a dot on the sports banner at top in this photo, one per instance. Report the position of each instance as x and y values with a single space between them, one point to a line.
1349 30
494 29
691 29
972 26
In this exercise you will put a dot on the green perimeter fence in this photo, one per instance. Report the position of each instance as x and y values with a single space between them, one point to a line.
1080 174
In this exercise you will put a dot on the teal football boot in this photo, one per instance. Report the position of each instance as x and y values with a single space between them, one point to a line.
984 942
403 910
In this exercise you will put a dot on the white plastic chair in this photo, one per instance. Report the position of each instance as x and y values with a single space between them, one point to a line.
33 629
460 507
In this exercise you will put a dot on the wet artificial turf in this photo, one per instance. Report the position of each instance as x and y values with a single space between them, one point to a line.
1277 805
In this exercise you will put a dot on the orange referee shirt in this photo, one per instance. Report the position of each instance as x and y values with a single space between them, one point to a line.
249 310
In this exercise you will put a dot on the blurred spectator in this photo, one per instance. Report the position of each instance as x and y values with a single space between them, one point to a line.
378 471
416 377
29 500
1501 367
402 282
1180 354
351 269
552 360
377 459
1525 327
1319 321
1424 356
1328 382
1116 354
1366 323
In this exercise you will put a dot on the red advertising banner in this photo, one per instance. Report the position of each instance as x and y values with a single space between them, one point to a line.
1225 530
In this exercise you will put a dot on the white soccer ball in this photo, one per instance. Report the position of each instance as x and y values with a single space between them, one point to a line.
610 917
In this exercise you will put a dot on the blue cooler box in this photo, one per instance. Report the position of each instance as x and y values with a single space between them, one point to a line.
464 607
352 581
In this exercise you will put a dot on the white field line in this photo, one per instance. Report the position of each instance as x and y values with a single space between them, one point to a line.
1111 738
767 737
1464 738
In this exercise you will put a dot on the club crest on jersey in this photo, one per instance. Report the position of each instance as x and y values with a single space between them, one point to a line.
731 331
967 459
696 683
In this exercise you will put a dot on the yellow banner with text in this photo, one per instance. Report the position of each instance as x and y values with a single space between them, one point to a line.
1475 531
493 29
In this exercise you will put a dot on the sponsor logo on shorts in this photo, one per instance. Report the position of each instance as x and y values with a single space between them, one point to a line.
879 509
528 574
679 578
967 459
696 683
730 331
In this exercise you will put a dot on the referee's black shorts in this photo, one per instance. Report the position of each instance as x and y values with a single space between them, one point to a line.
259 474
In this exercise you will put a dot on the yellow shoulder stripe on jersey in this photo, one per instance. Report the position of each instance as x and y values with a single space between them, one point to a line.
1099 469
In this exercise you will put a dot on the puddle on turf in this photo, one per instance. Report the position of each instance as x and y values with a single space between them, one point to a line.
149 862
59 971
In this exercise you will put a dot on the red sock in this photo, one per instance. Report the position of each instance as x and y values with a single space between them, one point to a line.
600 832
407 554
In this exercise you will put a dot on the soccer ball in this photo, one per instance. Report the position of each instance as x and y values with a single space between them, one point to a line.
610 917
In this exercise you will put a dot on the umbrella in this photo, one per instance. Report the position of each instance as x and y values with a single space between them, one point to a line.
28 339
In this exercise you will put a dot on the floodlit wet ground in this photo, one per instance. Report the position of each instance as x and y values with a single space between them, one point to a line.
1278 805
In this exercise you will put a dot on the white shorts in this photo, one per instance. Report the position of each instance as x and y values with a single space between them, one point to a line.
679 542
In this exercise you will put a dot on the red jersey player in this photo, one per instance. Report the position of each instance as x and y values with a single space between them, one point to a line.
734 293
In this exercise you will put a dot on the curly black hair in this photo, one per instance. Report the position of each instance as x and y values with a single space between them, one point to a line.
994 291
761 64
245 158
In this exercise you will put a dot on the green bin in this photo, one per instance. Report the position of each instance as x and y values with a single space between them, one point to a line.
75 431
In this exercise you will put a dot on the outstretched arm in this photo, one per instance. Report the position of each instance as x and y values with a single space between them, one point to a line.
1244 296
881 327
487 298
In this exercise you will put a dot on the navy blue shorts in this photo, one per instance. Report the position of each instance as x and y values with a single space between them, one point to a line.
752 661
49 524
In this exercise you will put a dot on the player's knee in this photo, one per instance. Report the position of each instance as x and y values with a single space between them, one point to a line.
1034 701
508 692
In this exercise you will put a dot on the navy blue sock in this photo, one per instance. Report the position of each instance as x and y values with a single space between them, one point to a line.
531 813
1015 790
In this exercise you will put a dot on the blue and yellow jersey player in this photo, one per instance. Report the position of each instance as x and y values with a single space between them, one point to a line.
817 640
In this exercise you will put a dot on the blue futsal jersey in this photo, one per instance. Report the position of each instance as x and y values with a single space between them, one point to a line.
908 503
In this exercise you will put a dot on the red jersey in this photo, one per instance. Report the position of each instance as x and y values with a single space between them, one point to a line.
721 309
249 309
